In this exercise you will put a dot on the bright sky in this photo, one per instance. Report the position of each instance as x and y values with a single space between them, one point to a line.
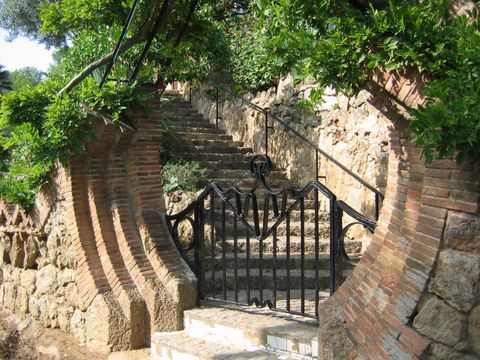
22 52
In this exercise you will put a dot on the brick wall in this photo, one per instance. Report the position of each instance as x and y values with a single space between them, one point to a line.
130 279
415 293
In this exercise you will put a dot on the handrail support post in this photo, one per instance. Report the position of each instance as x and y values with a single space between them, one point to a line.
216 107
266 133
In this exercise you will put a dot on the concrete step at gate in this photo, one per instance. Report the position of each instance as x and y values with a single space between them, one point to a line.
238 333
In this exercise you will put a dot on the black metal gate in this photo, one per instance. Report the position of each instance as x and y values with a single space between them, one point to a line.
266 247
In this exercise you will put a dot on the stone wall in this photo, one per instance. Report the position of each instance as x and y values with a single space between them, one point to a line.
38 267
353 131
93 256
415 292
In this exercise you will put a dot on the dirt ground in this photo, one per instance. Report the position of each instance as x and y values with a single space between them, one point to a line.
24 339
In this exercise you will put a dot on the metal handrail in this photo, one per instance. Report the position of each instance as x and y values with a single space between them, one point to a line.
378 194
116 52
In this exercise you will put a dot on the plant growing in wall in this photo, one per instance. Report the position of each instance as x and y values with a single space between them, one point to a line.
182 175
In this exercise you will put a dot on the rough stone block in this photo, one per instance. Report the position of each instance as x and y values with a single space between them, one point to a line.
442 352
440 322
474 330
64 315
21 301
133 307
47 279
34 307
66 276
17 251
9 296
463 232
457 279
27 281
333 339
78 327
5 245
107 328
31 252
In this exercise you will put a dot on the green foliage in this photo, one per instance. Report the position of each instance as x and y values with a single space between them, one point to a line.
37 129
69 17
27 76
182 175
28 105
21 18
338 44
5 81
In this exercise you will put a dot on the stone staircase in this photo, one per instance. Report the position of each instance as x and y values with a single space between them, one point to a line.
214 333
226 277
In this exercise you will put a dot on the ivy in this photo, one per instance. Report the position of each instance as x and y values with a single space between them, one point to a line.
37 129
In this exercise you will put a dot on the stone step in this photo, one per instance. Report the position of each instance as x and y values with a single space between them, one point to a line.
244 326
309 215
223 164
180 345
243 297
195 129
180 119
218 157
351 246
215 281
244 174
186 124
198 138
175 106
218 144
225 148
172 113
295 229
268 261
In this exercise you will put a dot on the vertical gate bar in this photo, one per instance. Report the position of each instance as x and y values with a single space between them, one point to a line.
212 242
260 269
274 270
333 236
316 165
216 107
235 257
248 265
377 206
199 250
338 226
287 230
266 133
302 255
317 250
224 258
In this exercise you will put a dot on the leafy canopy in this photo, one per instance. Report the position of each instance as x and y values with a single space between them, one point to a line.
27 76
340 43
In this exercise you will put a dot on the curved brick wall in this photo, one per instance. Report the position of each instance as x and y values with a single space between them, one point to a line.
130 279
416 291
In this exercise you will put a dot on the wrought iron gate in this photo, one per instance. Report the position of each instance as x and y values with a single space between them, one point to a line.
266 247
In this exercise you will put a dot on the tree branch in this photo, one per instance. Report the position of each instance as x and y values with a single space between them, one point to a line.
141 36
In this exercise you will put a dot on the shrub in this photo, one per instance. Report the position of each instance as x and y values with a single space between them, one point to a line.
182 175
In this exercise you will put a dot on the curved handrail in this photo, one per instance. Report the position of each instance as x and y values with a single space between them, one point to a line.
378 194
